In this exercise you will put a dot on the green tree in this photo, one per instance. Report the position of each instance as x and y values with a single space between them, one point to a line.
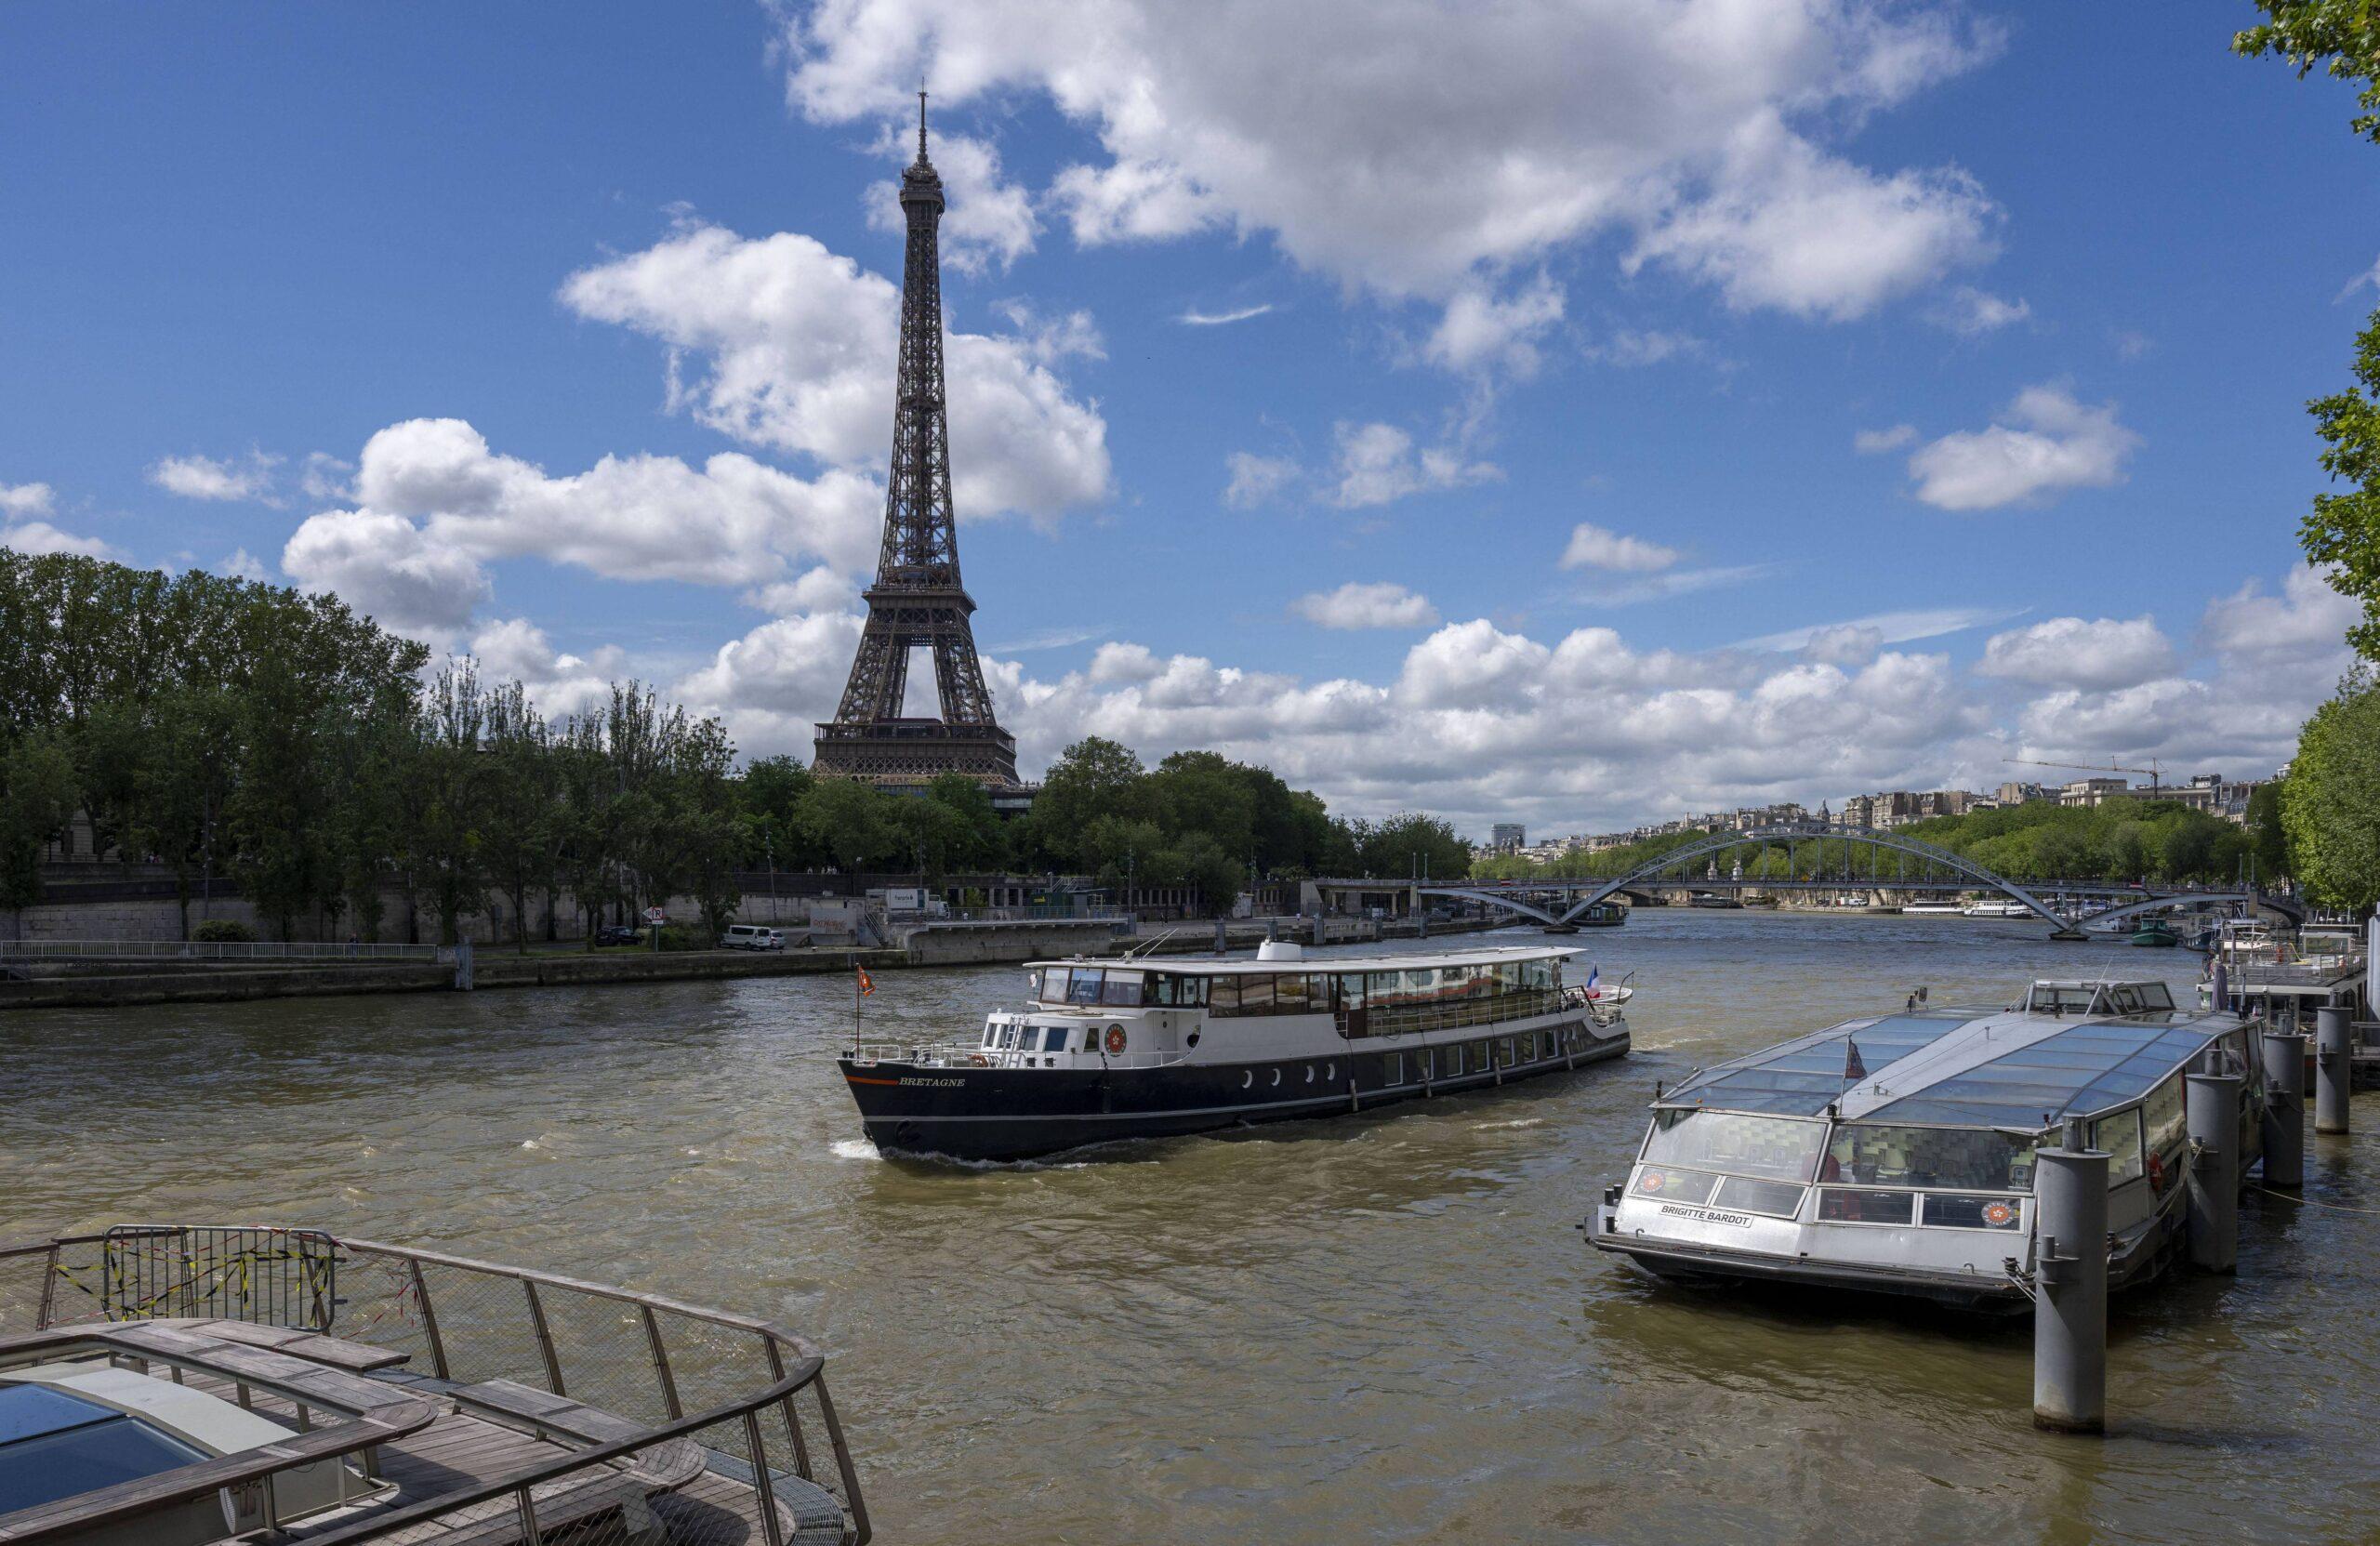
2331 804
2341 35
444 798
2267 834
185 785
38 798
1092 778
520 792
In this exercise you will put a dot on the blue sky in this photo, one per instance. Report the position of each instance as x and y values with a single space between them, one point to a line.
1710 402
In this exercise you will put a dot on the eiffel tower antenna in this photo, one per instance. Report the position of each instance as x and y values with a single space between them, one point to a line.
917 599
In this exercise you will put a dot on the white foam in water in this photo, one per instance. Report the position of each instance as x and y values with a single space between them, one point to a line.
854 1148
1517 1122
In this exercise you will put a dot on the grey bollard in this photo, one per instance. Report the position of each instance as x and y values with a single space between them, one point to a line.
2211 1110
2333 1069
1321 930
463 980
2070 1291
1222 937
2284 1118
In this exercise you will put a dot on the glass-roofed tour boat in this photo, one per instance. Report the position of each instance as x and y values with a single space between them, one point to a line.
1895 1153
1132 1049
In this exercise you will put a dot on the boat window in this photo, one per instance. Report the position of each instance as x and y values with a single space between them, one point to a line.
2163 1117
2120 1135
1782 1198
1122 987
1954 1210
1845 1205
1055 1039
1774 1148
1289 996
2156 995
1193 993
1222 994
1351 991
1686 1186
1962 1157
1256 995
1163 987
1054 985
1085 986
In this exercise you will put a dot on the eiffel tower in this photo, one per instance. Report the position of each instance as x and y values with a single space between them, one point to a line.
917 599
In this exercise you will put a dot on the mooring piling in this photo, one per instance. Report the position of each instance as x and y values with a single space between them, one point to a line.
2284 1116
2333 1068
2211 1110
2070 1287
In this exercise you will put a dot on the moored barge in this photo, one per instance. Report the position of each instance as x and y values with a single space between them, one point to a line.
1117 1049
1894 1153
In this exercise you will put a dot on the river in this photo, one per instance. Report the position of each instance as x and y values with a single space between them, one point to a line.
1385 1327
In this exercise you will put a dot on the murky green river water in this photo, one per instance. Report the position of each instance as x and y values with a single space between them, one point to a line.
1379 1328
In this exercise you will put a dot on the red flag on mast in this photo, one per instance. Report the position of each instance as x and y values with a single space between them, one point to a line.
867 983
1853 1068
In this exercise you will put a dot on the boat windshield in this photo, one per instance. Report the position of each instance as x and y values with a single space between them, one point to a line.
1963 1159
1775 1148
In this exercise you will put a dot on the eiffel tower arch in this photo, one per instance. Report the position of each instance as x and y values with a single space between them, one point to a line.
918 600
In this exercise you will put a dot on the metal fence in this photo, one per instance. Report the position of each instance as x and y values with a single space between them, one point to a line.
194 950
736 1411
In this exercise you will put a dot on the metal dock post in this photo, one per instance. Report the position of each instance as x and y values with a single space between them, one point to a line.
2284 1118
2212 1114
2070 1287
2333 1068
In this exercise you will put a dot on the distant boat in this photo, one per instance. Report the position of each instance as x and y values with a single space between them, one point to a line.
1949 909
2155 936
1996 909
1712 899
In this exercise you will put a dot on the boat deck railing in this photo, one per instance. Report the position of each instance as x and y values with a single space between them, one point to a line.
750 1393
971 1054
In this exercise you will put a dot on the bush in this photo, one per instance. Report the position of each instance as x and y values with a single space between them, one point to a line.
680 936
222 930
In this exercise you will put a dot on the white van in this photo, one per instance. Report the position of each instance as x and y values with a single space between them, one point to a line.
752 936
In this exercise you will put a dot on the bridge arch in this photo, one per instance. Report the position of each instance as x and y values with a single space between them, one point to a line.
1808 832
2192 899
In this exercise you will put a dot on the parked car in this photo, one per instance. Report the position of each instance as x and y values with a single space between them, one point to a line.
620 934
752 936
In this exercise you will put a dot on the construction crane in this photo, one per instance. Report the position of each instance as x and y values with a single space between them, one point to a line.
2154 775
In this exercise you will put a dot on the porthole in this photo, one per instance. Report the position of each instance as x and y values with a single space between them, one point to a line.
1247 1078
1329 1071
1309 1072
1276 1078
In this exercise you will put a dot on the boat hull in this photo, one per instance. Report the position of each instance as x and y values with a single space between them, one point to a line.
2138 1258
1008 1114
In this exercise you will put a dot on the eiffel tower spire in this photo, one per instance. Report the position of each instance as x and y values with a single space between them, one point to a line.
917 599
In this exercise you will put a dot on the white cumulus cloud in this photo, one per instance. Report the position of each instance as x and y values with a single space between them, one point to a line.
793 348
1360 605
25 500
2047 444
1377 464
1422 151
1593 547
2105 654
212 478
1257 479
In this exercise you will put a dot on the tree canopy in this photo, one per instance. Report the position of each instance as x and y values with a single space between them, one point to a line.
2331 804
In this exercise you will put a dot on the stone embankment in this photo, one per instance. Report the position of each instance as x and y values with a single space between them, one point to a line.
117 983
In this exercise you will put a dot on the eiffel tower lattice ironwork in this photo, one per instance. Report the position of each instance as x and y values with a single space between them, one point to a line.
918 600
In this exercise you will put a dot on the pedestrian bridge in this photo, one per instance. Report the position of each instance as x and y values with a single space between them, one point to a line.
1939 871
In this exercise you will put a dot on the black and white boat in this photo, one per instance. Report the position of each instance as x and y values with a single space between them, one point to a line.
1120 1049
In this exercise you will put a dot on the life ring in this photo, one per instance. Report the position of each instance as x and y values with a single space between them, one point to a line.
1114 1041
2157 1174
978 1060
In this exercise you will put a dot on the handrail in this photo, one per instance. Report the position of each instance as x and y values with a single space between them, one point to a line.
805 1370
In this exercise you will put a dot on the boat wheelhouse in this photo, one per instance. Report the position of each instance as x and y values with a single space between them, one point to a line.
1895 1153
1113 1048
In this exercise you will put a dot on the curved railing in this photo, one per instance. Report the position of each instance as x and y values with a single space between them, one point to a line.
750 1393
